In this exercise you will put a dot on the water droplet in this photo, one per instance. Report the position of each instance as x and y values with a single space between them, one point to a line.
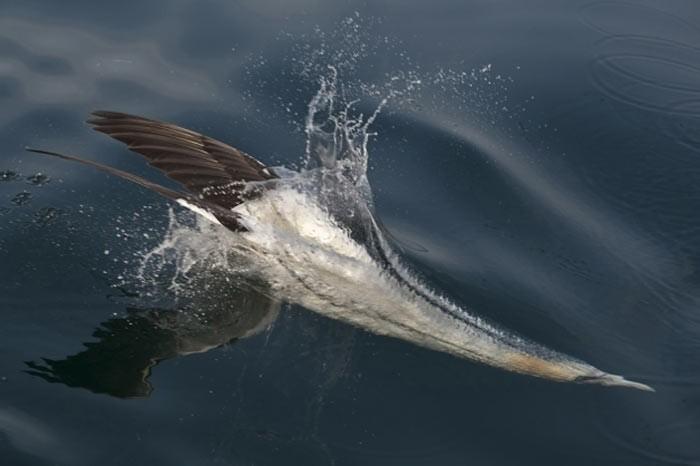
46 215
8 175
38 179
21 198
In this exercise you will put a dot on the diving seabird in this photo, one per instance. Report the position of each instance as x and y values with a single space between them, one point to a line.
322 248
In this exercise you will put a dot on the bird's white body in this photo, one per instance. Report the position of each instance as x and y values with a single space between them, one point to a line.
308 258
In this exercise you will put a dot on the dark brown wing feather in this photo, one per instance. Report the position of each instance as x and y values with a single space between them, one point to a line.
227 217
209 169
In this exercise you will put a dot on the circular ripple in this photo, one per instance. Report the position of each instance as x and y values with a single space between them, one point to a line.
621 18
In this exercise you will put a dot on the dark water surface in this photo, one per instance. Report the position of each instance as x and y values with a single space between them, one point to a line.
556 190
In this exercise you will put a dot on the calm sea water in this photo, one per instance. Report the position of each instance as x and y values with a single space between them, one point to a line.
546 175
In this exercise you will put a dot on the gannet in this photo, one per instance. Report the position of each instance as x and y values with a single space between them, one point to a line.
315 239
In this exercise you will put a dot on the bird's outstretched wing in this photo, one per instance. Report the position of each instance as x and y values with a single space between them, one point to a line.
214 174
208 168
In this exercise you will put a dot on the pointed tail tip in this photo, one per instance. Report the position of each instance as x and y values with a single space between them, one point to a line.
619 381
39 151
611 380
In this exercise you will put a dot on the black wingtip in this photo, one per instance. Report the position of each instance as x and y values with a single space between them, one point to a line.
44 152
108 114
98 117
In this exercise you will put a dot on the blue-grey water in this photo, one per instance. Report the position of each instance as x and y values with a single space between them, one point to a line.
546 175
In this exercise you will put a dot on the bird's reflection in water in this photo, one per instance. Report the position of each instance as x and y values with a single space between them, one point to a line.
119 363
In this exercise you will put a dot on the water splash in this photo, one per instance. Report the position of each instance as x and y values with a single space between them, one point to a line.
337 129
336 132
189 248
333 178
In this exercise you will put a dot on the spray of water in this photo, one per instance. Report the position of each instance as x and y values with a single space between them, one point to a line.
337 128
333 177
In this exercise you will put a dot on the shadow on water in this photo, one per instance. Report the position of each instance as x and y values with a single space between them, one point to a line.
127 349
